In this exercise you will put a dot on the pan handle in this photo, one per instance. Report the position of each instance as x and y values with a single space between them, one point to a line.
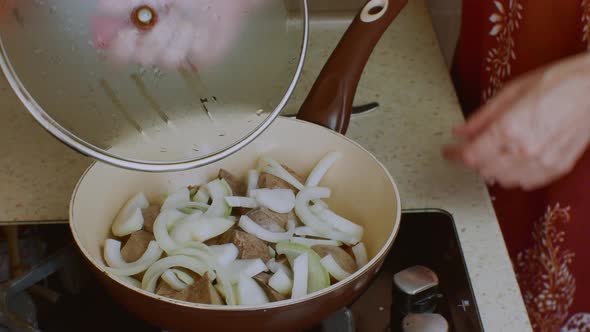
329 103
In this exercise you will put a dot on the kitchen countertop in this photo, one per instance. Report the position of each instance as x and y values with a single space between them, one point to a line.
406 75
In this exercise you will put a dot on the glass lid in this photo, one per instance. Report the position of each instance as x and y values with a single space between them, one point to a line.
154 85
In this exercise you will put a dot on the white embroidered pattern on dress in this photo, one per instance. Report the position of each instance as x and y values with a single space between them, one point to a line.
586 22
505 21
543 272
577 323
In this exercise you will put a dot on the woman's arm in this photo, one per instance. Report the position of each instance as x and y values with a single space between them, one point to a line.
533 131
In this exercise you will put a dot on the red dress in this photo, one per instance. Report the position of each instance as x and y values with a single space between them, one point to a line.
547 231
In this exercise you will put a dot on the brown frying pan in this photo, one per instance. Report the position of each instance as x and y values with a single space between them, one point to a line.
363 190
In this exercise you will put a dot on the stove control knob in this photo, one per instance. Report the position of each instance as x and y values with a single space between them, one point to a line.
425 323
415 290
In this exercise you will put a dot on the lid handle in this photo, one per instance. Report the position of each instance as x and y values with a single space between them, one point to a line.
329 103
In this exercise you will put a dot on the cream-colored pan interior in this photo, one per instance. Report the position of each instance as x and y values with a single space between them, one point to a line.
362 189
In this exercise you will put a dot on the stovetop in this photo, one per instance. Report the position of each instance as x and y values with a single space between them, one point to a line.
426 238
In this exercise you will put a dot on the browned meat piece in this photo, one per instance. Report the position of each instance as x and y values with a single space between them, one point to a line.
201 291
213 242
282 259
272 294
136 245
165 290
238 187
270 181
292 216
343 259
149 217
266 180
240 211
250 246
297 176
348 250
270 220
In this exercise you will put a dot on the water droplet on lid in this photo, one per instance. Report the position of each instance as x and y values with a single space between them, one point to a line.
53 9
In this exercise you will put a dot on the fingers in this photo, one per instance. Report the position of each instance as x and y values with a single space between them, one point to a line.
477 123
483 150
557 161
509 95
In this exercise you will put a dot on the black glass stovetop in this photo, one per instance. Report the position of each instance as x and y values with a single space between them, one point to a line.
426 237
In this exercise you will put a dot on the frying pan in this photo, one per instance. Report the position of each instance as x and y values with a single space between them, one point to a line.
363 191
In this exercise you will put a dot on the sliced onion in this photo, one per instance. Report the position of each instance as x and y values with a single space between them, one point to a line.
272 252
277 200
338 222
218 189
360 255
291 225
184 277
275 266
129 281
166 219
130 219
177 199
322 168
228 290
300 274
244 202
318 277
201 228
315 242
202 195
304 213
205 256
249 226
309 219
220 289
118 266
225 253
194 207
248 267
151 276
181 233
281 283
253 176
306 231
270 166
334 269
172 278
190 211
250 293
112 253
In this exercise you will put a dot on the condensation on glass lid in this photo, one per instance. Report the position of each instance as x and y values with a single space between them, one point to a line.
188 138
120 111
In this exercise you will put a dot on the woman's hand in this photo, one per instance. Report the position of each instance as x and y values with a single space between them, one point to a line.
198 32
534 131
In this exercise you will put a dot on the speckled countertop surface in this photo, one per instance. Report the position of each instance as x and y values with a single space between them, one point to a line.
406 75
